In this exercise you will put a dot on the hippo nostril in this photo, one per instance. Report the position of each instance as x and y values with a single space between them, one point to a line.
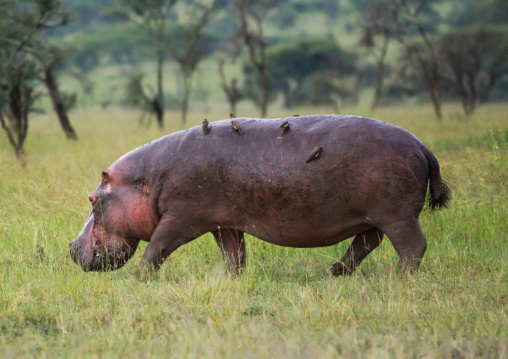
92 198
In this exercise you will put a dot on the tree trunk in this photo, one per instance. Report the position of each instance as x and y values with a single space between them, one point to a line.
471 80
435 94
432 73
187 88
10 136
252 42
380 73
494 74
432 76
231 91
360 78
185 107
160 91
20 115
61 112
264 90
458 83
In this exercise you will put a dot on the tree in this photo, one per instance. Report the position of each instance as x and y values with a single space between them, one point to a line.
291 64
23 54
325 88
230 88
417 70
474 12
230 48
137 97
474 59
62 101
153 16
379 26
331 8
17 96
188 45
417 17
251 15
407 21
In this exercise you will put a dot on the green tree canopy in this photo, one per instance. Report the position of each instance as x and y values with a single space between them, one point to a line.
291 63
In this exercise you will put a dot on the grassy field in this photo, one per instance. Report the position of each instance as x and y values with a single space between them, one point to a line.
284 305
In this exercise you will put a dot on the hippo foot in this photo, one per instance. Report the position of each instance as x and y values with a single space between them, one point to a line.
147 267
234 271
339 269
146 272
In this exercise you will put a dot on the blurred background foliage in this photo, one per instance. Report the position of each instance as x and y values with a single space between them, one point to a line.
158 55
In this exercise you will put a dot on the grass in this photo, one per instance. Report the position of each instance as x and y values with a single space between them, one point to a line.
284 305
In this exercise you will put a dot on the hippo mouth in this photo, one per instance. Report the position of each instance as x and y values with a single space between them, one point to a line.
105 261
101 259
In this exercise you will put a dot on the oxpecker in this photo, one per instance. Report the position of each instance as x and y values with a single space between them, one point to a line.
316 152
206 126
284 127
236 126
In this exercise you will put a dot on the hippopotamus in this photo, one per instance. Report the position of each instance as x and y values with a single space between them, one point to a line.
318 181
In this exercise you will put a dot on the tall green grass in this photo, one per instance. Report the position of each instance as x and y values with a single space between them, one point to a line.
284 305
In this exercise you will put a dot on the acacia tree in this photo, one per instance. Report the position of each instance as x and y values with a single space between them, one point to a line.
413 24
62 101
17 96
230 88
474 60
49 14
22 53
137 96
293 68
230 50
418 16
188 45
379 26
251 15
154 17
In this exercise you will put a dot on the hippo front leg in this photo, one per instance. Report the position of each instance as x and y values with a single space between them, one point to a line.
232 245
167 237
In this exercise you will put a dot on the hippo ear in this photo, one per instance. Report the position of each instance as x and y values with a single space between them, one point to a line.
105 178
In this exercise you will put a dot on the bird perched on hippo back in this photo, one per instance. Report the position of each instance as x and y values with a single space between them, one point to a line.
206 126
284 127
316 152
236 126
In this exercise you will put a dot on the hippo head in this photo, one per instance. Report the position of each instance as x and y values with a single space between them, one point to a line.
119 219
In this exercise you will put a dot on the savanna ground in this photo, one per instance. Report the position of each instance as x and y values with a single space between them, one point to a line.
284 305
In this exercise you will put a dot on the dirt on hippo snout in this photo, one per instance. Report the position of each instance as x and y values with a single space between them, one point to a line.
101 260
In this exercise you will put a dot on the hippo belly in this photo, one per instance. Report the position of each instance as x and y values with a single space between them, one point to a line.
362 176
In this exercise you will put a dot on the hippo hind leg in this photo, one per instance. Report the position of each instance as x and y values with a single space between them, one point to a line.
362 245
408 240
232 245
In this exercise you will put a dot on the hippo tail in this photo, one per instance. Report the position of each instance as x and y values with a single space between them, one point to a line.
439 193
